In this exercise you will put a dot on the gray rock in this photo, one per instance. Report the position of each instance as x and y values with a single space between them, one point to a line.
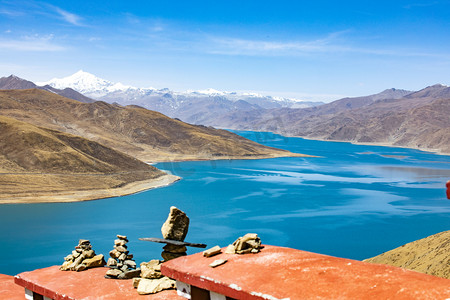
76 262
174 248
113 273
122 237
151 269
83 242
136 281
217 262
80 267
114 253
211 252
122 249
176 225
122 257
88 253
247 244
169 256
66 265
130 263
111 262
119 242
94 262
124 268
129 274
69 257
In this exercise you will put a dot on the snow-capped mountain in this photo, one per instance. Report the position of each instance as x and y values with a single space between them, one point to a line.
88 84
192 106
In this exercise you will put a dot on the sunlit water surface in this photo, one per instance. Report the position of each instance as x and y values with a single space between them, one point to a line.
353 201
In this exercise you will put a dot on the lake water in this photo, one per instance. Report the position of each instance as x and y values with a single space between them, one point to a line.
353 201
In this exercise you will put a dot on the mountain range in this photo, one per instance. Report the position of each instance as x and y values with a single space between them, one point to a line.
394 117
415 119
13 82
191 106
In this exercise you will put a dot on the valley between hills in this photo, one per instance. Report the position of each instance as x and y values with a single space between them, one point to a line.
55 149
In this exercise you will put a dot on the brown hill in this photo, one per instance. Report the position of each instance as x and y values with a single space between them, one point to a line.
144 134
416 120
430 255
37 163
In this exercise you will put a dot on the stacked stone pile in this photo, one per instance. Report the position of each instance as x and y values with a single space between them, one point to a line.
121 262
175 228
83 257
151 280
249 243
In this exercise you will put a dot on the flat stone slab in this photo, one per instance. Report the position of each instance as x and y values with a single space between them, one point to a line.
172 242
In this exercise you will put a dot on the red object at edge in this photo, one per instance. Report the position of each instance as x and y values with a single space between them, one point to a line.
448 189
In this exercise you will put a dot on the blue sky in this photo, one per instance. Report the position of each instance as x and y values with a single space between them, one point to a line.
318 50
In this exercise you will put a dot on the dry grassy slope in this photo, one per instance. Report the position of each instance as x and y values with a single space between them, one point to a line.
141 133
430 255
36 162
32 149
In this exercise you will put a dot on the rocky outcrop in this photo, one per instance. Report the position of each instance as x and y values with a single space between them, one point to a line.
82 258
121 263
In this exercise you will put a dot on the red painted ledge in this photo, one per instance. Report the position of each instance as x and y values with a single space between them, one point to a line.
89 284
9 290
279 273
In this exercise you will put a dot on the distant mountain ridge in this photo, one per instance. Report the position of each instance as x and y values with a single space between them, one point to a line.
182 105
13 82
415 119
394 117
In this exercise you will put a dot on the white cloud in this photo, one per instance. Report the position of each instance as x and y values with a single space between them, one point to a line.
332 43
11 13
68 17
15 9
236 46
31 43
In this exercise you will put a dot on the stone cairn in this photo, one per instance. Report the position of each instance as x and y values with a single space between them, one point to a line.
82 258
175 228
249 243
121 264
174 231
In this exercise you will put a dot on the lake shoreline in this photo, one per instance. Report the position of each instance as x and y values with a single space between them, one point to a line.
90 195
433 151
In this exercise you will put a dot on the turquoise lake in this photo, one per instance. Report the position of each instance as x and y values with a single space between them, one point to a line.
353 201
